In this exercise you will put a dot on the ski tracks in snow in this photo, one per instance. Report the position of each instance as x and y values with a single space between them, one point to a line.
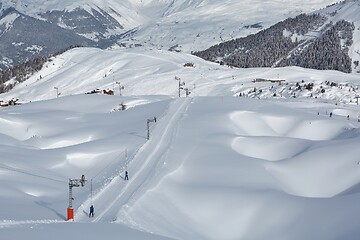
143 166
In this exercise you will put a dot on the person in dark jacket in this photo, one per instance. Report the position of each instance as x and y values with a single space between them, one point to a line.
91 214
126 175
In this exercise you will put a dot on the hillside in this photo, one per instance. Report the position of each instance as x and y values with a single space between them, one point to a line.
153 72
324 40
275 163
190 25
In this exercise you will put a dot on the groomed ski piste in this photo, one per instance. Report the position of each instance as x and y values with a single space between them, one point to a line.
142 165
271 164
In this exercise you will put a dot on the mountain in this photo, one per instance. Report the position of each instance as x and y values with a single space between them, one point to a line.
326 40
22 38
271 164
32 28
234 153
193 25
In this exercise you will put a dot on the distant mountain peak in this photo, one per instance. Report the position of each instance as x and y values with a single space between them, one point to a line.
182 25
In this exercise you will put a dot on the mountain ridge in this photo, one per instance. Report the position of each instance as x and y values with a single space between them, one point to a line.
185 25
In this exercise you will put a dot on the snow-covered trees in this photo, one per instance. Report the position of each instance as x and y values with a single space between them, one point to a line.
285 44
329 51
21 72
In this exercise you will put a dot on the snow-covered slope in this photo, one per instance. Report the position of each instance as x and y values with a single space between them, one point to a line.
269 164
253 170
153 72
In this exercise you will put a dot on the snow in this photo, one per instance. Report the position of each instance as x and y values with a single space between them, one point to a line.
197 25
34 48
60 230
266 165
189 25
39 5
8 21
216 166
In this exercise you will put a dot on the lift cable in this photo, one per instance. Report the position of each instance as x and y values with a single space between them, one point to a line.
91 191
103 170
108 165
31 174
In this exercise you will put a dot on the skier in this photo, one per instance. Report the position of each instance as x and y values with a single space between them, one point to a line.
331 114
91 214
126 175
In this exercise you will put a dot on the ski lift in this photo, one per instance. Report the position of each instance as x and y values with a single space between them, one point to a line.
82 181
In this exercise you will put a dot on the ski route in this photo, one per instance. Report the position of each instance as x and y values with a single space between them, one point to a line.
118 192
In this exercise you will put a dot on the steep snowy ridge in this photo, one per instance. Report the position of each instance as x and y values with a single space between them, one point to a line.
80 22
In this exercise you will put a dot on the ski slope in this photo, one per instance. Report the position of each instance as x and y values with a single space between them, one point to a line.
255 165
143 165
269 164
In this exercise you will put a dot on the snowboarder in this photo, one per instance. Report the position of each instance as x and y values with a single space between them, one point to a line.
126 175
91 214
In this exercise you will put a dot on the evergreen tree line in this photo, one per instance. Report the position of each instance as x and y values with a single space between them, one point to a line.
267 47
23 71
328 52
